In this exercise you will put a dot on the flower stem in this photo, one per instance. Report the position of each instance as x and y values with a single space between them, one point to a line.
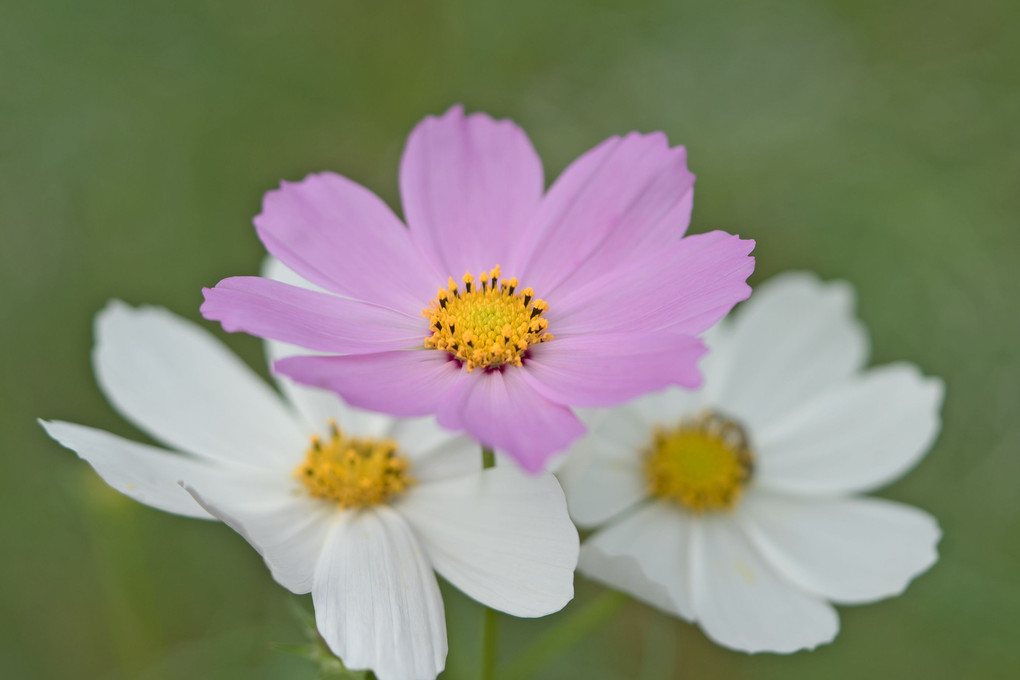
489 645
571 630
490 620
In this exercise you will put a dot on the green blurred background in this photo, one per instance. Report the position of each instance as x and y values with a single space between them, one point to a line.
866 140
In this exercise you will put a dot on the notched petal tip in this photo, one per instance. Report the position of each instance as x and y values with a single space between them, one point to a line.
655 137
212 309
116 313
457 115
748 244
114 306
454 110
694 380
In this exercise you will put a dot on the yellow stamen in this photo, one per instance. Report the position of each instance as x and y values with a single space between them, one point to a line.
702 464
486 325
354 472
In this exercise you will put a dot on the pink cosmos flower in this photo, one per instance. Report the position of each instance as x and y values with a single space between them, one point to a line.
500 306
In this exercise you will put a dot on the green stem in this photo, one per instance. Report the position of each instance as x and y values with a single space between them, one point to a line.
490 620
489 644
574 627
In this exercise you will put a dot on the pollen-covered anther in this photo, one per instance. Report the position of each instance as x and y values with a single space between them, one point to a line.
488 323
703 464
354 472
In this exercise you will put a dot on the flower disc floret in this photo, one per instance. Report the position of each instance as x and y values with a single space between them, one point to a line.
354 472
490 323
702 464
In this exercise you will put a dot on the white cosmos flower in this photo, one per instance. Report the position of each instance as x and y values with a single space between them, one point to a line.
235 450
735 506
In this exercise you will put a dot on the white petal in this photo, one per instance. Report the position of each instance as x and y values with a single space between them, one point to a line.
795 337
278 271
669 407
553 463
645 554
742 603
285 526
435 453
848 551
177 382
856 437
317 406
603 474
145 473
501 536
377 602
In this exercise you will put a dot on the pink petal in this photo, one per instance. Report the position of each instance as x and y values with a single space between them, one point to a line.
316 321
608 369
627 195
468 184
686 287
502 411
409 383
342 237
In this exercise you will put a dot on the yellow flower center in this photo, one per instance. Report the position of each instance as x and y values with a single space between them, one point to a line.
354 472
489 323
702 464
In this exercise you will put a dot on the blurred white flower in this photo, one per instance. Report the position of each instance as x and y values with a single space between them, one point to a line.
358 512
734 506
